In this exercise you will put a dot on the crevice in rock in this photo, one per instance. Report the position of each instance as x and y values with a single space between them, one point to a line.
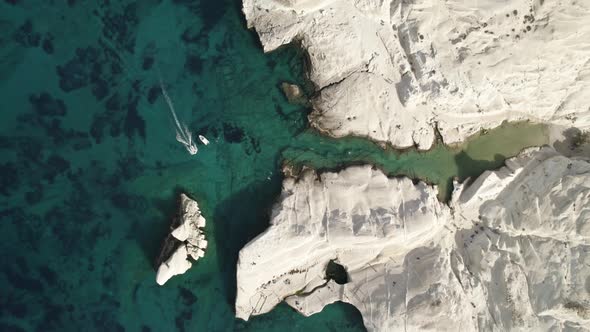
336 272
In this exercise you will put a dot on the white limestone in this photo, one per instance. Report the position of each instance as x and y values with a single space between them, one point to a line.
193 241
395 70
175 265
511 251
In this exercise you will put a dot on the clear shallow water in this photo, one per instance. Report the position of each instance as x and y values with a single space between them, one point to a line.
90 167
438 166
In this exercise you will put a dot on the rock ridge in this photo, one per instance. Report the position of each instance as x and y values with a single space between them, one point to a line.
186 241
393 70
511 250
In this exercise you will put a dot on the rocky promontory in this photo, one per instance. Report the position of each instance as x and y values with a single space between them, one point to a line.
510 251
401 71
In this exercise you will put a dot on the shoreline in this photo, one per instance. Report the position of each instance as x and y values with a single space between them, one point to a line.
277 28
443 243
390 160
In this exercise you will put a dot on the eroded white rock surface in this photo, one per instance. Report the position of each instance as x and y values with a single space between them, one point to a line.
510 252
193 243
395 70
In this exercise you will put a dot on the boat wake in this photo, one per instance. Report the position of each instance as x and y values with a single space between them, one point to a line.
183 134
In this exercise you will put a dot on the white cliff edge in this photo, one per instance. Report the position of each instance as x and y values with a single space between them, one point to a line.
193 243
511 251
397 71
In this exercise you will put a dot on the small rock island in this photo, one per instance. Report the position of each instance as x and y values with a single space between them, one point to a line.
186 241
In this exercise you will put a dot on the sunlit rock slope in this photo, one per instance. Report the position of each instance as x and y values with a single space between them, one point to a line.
397 71
511 251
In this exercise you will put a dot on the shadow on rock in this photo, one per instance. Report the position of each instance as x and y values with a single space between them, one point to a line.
468 167
574 143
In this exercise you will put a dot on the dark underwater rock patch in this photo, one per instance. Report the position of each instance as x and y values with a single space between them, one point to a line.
72 224
188 298
80 141
45 105
13 306
23 281
9 179
29 151
47 44
8 327
118 117
54 316
34 196
75 74
232 133
28 228
133 122
153 94
25 36
181 318
129 167
71 137
111 120
193 35
97 128
54 166
148 62
255 144
48 275
46 115
193 64
100 89
120 27
211 12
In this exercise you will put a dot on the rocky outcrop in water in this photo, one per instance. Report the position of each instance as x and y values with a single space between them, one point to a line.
294 94
185 242
399 71
511 251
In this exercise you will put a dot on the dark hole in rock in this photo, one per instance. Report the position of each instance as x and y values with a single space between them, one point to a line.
336 272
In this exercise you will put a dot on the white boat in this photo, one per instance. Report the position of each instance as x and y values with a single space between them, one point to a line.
204 140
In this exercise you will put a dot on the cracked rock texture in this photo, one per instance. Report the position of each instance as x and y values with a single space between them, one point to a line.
397 70
186 240
511 251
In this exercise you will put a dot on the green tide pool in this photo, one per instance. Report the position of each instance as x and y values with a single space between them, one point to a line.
90 168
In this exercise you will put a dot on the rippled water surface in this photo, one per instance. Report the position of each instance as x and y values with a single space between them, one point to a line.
90 167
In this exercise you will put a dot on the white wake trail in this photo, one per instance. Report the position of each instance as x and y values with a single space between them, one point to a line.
183 134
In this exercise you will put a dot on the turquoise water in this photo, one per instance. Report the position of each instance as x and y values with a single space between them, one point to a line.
90 166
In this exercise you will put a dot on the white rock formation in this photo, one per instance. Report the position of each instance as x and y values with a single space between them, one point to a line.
294 93
511 252
177 264
394 70
193 241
